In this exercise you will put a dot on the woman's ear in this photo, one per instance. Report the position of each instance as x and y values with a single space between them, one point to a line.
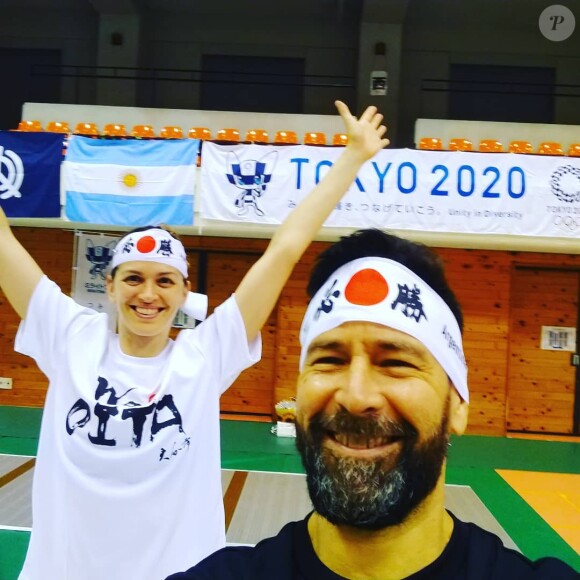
458 413
110 288
186 289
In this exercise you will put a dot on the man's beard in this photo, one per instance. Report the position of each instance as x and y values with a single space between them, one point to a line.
370 493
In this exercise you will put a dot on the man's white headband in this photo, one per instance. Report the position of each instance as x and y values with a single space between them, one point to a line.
386 292
158 245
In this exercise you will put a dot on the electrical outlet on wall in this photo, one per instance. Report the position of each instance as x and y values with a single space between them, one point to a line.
5 383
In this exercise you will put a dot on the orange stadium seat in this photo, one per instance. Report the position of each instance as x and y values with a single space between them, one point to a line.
490 146
57 127
314 138
29 126
340 139
286 138
257 136
550 148
88 129
143 131
171 132
459 144
202 133
430 143
114 130
520 147
574 150
229 135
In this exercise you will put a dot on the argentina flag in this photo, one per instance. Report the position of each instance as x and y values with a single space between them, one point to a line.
30 174
129 183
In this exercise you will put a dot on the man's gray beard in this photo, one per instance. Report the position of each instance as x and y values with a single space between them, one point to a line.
370 494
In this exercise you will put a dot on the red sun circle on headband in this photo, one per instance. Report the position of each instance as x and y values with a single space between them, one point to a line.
146 244
366 288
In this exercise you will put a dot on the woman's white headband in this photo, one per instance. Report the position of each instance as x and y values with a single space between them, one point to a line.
158 245
153 245
386 292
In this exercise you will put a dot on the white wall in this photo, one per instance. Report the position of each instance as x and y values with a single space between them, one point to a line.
158 117
475 131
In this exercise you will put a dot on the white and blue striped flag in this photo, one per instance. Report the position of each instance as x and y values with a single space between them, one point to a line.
129 183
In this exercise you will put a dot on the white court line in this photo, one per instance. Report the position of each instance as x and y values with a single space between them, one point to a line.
15 528
260 471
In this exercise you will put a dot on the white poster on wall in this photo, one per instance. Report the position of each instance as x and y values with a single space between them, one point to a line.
93 255
559 338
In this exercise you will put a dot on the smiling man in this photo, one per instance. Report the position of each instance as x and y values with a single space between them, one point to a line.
382 386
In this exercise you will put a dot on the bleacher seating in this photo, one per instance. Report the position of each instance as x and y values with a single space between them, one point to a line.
29 126
87 129
430 143
460 144
285 138
314 138
550 148
490 146
257 136
58 127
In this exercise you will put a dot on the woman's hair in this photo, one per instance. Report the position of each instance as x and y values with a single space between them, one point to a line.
375 243
163 227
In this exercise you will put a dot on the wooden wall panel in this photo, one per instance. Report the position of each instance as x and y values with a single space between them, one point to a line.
53 250
252 393
481 279
541 383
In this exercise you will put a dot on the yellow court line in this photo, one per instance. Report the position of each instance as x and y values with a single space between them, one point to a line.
554 496
16 472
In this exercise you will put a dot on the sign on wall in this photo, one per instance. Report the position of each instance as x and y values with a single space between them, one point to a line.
93 255
438 191
559 338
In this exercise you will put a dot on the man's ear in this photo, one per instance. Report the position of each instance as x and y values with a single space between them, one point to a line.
458 413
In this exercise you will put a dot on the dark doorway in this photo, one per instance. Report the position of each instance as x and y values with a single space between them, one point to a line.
22 82
247 83
501 93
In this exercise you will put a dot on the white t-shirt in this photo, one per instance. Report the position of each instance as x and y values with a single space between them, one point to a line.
127 480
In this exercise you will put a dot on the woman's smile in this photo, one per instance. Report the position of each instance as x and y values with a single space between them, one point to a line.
147 311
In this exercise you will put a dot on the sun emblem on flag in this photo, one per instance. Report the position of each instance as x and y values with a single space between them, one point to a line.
130 179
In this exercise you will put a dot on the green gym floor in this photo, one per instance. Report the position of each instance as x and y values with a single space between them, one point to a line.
473 461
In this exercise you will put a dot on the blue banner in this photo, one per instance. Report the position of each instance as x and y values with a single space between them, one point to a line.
30 174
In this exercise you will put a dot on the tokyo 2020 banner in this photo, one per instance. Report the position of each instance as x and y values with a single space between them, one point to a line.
438 191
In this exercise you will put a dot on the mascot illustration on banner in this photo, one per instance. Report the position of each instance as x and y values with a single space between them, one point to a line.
99 257
252 177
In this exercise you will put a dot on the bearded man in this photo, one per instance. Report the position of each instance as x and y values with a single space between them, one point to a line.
382 386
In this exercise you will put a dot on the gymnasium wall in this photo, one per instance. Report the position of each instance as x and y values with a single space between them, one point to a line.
481 279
